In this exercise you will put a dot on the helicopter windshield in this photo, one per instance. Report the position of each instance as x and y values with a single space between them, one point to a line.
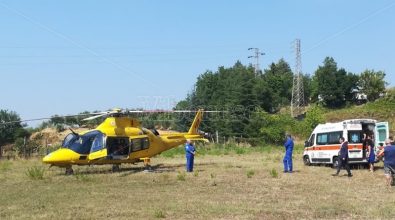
82 143
69 139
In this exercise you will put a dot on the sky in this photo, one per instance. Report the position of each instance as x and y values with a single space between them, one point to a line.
67 56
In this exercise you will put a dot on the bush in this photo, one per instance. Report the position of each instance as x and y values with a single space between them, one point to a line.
159 214
181 176
59 127
250 173
275 127
273 173
314 116
35 173
240 150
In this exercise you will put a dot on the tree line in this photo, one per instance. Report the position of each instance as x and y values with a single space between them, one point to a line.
250 100
253 105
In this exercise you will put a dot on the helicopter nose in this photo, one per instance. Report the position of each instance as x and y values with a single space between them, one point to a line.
49 158
60 156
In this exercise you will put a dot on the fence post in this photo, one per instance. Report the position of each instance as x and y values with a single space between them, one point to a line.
24 147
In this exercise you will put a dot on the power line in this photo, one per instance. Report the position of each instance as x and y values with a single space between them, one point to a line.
256 57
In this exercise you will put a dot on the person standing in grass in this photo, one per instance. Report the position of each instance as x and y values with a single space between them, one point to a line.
389 161
343 158
371 154
190 155
289 146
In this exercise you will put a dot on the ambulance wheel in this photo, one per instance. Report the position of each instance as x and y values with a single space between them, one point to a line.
335 162
306 160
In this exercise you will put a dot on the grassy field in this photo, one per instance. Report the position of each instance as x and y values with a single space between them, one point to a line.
227 184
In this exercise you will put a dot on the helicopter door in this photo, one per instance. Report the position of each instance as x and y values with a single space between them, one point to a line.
98 149
118 147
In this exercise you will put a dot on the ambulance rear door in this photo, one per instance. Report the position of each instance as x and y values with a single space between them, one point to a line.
381 132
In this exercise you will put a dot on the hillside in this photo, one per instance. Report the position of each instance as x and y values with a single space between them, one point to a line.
382 110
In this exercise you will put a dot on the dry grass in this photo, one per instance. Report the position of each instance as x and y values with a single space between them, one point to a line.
223 187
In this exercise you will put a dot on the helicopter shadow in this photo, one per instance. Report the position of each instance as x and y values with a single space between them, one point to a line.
162 168
107 170
122 170
125 171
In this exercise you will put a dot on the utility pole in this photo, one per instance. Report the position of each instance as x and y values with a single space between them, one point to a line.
297 102
256 57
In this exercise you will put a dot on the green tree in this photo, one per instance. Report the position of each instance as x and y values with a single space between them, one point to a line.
60 122
9 132
331 85
314 116
350 82
263 95
307 88
183 120
326 87
232 89
274 127
279 78
372 83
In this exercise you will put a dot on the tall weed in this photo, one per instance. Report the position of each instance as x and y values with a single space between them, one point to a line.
35 173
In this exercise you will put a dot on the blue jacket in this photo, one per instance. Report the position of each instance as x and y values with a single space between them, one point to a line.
189 150
344 151
289 145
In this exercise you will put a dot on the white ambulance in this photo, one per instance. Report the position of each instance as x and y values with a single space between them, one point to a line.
323 145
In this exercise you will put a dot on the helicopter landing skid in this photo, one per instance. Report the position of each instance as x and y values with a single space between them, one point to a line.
115 168
69 170
147 166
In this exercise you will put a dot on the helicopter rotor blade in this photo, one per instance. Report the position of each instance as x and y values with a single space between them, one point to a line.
46 118
170 111
94 117
102 114
106 113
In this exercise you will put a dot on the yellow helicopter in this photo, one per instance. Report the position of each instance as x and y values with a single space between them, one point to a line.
118 139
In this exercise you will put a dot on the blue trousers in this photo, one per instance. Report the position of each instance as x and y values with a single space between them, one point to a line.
287 161
189 164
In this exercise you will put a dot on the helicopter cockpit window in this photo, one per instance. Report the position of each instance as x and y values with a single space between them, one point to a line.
69 139
82 143
97 143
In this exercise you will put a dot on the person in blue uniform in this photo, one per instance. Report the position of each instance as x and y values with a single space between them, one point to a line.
371 154
190 155
343 158
289 146
389 161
